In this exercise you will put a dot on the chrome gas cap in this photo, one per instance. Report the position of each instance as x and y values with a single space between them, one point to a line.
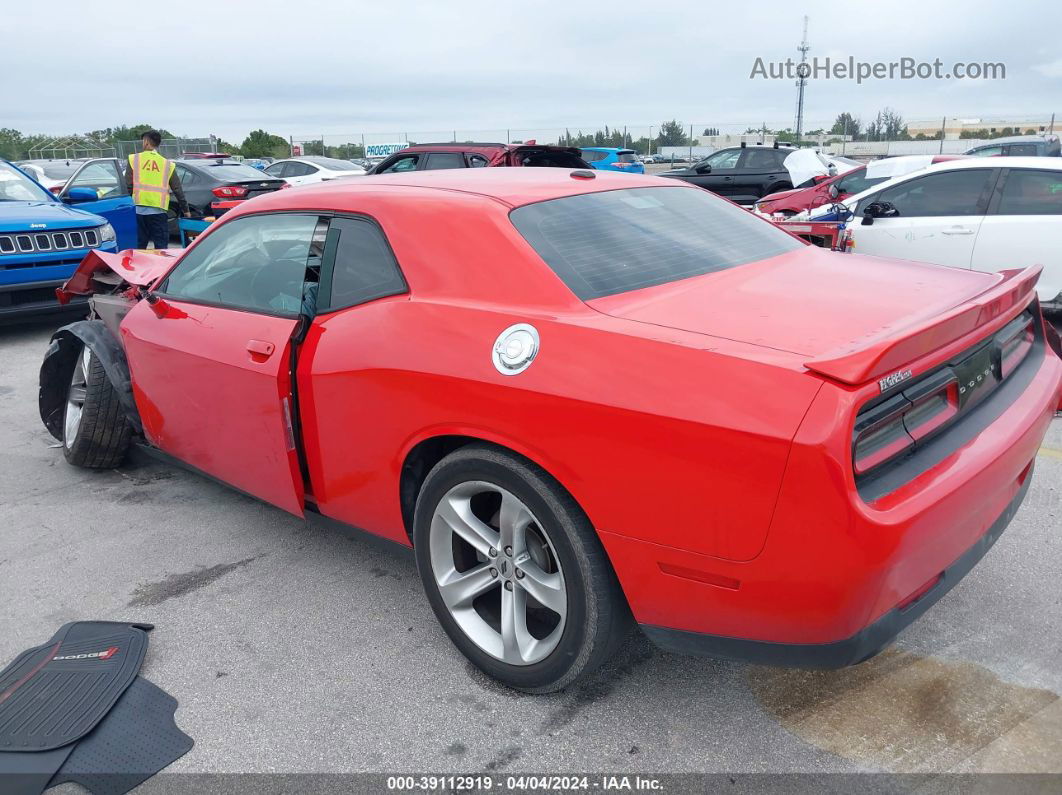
515 349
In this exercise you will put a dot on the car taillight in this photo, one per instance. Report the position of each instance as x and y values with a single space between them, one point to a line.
1014 341
230 191
880 434
933 402
889 429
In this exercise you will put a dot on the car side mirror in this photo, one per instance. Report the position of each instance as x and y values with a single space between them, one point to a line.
833 191
878 210
78 195
704 168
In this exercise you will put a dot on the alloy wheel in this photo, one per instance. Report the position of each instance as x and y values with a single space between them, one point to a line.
75 397
498 573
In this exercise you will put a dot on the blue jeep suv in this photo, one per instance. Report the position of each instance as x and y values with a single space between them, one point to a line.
43 238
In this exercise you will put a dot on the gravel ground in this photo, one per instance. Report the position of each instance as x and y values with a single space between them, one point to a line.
297 649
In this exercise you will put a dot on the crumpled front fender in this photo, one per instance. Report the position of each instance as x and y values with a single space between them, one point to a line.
58 366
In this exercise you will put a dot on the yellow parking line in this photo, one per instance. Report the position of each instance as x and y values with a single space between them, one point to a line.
1051 452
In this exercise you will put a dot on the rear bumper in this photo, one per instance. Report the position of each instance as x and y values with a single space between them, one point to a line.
838 577
854 649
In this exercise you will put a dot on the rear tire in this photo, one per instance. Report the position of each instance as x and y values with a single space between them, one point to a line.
96 433
529 539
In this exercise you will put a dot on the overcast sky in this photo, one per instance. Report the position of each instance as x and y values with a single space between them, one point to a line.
347 66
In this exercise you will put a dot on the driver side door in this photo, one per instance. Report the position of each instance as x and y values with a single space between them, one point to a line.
721 173
210 353
938 217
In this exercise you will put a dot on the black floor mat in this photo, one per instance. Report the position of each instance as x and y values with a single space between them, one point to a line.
54 694
137 739
29 772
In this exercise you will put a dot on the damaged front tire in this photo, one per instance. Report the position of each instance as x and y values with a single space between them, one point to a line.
96 433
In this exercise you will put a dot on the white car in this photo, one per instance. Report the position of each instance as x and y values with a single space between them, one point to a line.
649 159
309 169
985 214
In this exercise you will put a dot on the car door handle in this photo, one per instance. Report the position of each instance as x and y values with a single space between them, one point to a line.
957 230
260 348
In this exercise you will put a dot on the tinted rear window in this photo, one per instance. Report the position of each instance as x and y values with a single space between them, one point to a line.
605 243
331 163
627 157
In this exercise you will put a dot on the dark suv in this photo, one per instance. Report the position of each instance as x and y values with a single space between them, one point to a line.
744 174
420 157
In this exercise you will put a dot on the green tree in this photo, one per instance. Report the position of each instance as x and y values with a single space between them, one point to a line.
672 133
259 143
888 125
846 124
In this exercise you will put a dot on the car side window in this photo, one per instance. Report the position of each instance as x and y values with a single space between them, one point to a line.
275 170
296 169
102 177
1021 150
477 161
445 160
763 159
406 163
987 151
590 156
362 268
856 182
958 192
257 262
727 158
1031 192
185 175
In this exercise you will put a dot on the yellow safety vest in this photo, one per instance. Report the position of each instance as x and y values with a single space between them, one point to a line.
151 179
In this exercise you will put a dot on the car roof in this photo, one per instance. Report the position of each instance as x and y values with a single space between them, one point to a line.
514 187
1019 139
1052 163
604 149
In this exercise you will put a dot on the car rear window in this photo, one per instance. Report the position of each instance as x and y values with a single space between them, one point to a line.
234 172
627 157
611 242
331 163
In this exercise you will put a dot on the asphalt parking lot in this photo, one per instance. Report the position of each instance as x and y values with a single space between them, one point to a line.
293 648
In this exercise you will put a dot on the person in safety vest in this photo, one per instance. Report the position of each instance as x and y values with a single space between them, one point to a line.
151 178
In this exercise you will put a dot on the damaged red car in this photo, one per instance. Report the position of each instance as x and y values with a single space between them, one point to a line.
585 400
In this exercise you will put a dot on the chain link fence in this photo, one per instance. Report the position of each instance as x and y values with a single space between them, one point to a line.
946 135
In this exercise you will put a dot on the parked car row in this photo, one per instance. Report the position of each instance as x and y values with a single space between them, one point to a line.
972 213
44 235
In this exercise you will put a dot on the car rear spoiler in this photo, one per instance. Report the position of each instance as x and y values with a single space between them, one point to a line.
861 361
138 267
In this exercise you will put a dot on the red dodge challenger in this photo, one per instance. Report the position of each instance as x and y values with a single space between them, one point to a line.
582 398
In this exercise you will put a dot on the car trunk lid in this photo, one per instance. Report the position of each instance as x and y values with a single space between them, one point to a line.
858 316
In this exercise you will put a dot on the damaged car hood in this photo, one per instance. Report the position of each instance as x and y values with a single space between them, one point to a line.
137 267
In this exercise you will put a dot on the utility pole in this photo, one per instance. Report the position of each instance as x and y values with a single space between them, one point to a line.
802 80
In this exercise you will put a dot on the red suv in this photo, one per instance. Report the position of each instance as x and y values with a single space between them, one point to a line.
421 157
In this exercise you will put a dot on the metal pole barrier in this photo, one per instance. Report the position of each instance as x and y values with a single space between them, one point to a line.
943 124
